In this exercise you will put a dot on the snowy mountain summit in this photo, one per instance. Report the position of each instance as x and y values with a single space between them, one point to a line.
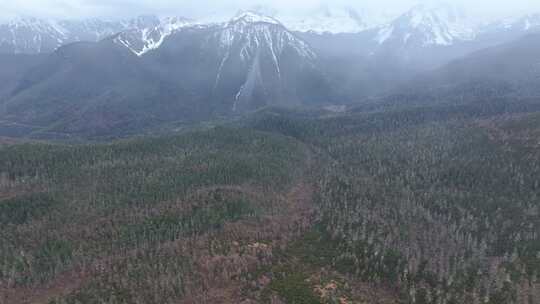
148 34
420 26
425 25
330 20
257 59
252 32
250 17
527 23
30 35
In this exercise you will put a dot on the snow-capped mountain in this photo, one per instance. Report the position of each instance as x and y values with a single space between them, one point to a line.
270 55
250 61
93 29
524 24
427 26
420 27
148 33
149 69
28 35
252 33
530 22
31 35
332 20
192 72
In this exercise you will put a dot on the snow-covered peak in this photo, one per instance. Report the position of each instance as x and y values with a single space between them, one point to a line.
525 23
93 29
250 17
148 33
35 24
175 23
263 49
429 25
143 21
249 34
30 35
530 22
331 20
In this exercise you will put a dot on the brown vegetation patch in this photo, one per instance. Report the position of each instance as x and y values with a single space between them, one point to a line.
62 285
511 130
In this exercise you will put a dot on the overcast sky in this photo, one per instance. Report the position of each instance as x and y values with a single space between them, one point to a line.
198 8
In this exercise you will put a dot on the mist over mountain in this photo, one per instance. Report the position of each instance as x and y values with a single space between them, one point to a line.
82 75
278 152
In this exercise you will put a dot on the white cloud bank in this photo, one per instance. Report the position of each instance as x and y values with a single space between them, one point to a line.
198 8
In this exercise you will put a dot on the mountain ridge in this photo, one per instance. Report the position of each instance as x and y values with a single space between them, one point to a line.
196 73
167 70
443 25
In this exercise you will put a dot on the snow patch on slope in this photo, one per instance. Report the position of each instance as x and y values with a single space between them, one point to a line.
332 20
248 17
253 32
526 23
28 34
384 34
144 38
256 44
440 25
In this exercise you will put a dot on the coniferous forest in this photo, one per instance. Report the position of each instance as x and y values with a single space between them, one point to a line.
411 205
269 152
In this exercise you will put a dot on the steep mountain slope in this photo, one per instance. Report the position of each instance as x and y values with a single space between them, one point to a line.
504 78
31 35
148 33
192 73
330 20
93 88
425 37
377 61
514 26
159 70
28 35
13 67
424 26
249 62
515 64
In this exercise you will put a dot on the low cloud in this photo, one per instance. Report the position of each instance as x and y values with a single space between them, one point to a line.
198 8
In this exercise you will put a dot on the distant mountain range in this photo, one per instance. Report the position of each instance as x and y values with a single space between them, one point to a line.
192 73
422 25
27 35
98 77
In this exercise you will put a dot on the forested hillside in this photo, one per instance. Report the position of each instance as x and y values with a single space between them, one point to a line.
145 221
441 207
410 205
